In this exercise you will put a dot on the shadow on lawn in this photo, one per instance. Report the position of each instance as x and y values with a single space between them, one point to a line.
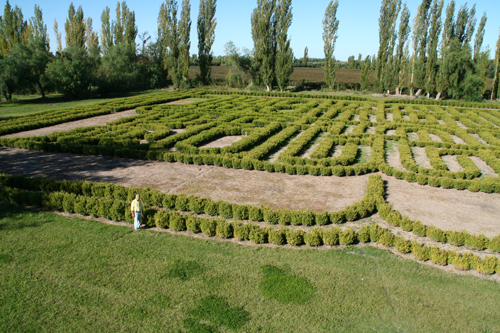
17 218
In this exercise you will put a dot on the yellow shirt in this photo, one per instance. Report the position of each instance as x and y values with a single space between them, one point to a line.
136 206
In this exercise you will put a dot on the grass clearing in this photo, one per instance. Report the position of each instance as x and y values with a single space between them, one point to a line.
59 273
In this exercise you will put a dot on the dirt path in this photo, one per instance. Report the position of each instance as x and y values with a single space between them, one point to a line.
412 136
461 125
452 163
372 118
311 149
435 138
389 117
445 208
391 132
370 130
420 157
276 190
393 158
223 142
458 140
480 139
94 121
337 151
486 170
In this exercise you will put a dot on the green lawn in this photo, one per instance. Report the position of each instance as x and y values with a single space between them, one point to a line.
67 274
24 105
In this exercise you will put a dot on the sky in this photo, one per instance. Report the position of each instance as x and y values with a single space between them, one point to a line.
358 27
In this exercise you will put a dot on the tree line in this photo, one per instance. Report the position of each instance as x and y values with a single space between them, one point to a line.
93 63
442 59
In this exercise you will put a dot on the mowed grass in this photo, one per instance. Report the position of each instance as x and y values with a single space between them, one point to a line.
68 274
25 105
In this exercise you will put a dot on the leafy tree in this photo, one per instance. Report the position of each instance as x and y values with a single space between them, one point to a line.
168 36
75 27
330 29
432 47
478 41
206 25
494 88
92 40
185 43
73 73
389 12
305 59
124 28
58 37
400 57
40 49
13 28
16 73
284 53
264 40
106 31
365 73
419 38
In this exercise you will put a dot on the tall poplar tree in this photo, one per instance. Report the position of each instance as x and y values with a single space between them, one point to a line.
442 79
106 31
124 28
264 40
185 42
432 47
92 39
206 25
399 59
418 61
365 73
284 53
305 60
75 28
58 37
330 30
389 11
496 79
13 28
478 41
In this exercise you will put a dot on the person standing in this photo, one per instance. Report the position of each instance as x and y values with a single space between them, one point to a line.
136 208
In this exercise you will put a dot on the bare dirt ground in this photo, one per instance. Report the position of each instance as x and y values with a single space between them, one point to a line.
372 118
446 208
480 139
349 129
406 117
370 130
391 132
276 155
452 163
223 142
337 151
420 157
356 117
458 140
389 116
179 102
412 136
441 122
393 158
435 138
486 170
238 186
94 121
311 150
460 124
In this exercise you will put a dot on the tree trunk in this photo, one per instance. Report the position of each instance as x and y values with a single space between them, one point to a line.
397 91
438 96
41 89
419 92
429 95
267 88
411 92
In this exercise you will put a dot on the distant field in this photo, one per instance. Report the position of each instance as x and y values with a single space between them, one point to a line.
68 274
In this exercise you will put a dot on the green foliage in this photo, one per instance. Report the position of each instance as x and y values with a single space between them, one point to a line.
295 237
193 224
225 209
277 236
347 237
212 208
208 227
314 237
284 287
241 231
177 222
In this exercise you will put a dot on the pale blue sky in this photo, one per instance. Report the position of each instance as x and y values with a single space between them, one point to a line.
358 29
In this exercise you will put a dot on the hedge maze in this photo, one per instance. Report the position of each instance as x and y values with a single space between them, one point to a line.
450 146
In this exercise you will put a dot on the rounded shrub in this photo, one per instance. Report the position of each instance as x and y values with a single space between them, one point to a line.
241 231
176 221
322 218
364 234
193 224
225 209
255 214
295 237
314 237
258 235
208 227
211 208
270 216
277 236
347 237
224 229
161 219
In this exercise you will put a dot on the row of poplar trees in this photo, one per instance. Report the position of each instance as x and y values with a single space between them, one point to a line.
442 58
94 63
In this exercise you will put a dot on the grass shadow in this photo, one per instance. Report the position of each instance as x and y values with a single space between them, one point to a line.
284 287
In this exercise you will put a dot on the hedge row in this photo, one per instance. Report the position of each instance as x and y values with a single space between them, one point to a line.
272 144
116 209
297 145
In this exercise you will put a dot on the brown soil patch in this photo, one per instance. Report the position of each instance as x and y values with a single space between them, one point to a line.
486 170
441 122
223 142
405 117
445 208
93 121
179 102
389 116
412 136
391 132
237 186
461 125
393 158
370 130
435 138
372 118
480 139
309 151
349 129
337 151
452 163
458 140
420 157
